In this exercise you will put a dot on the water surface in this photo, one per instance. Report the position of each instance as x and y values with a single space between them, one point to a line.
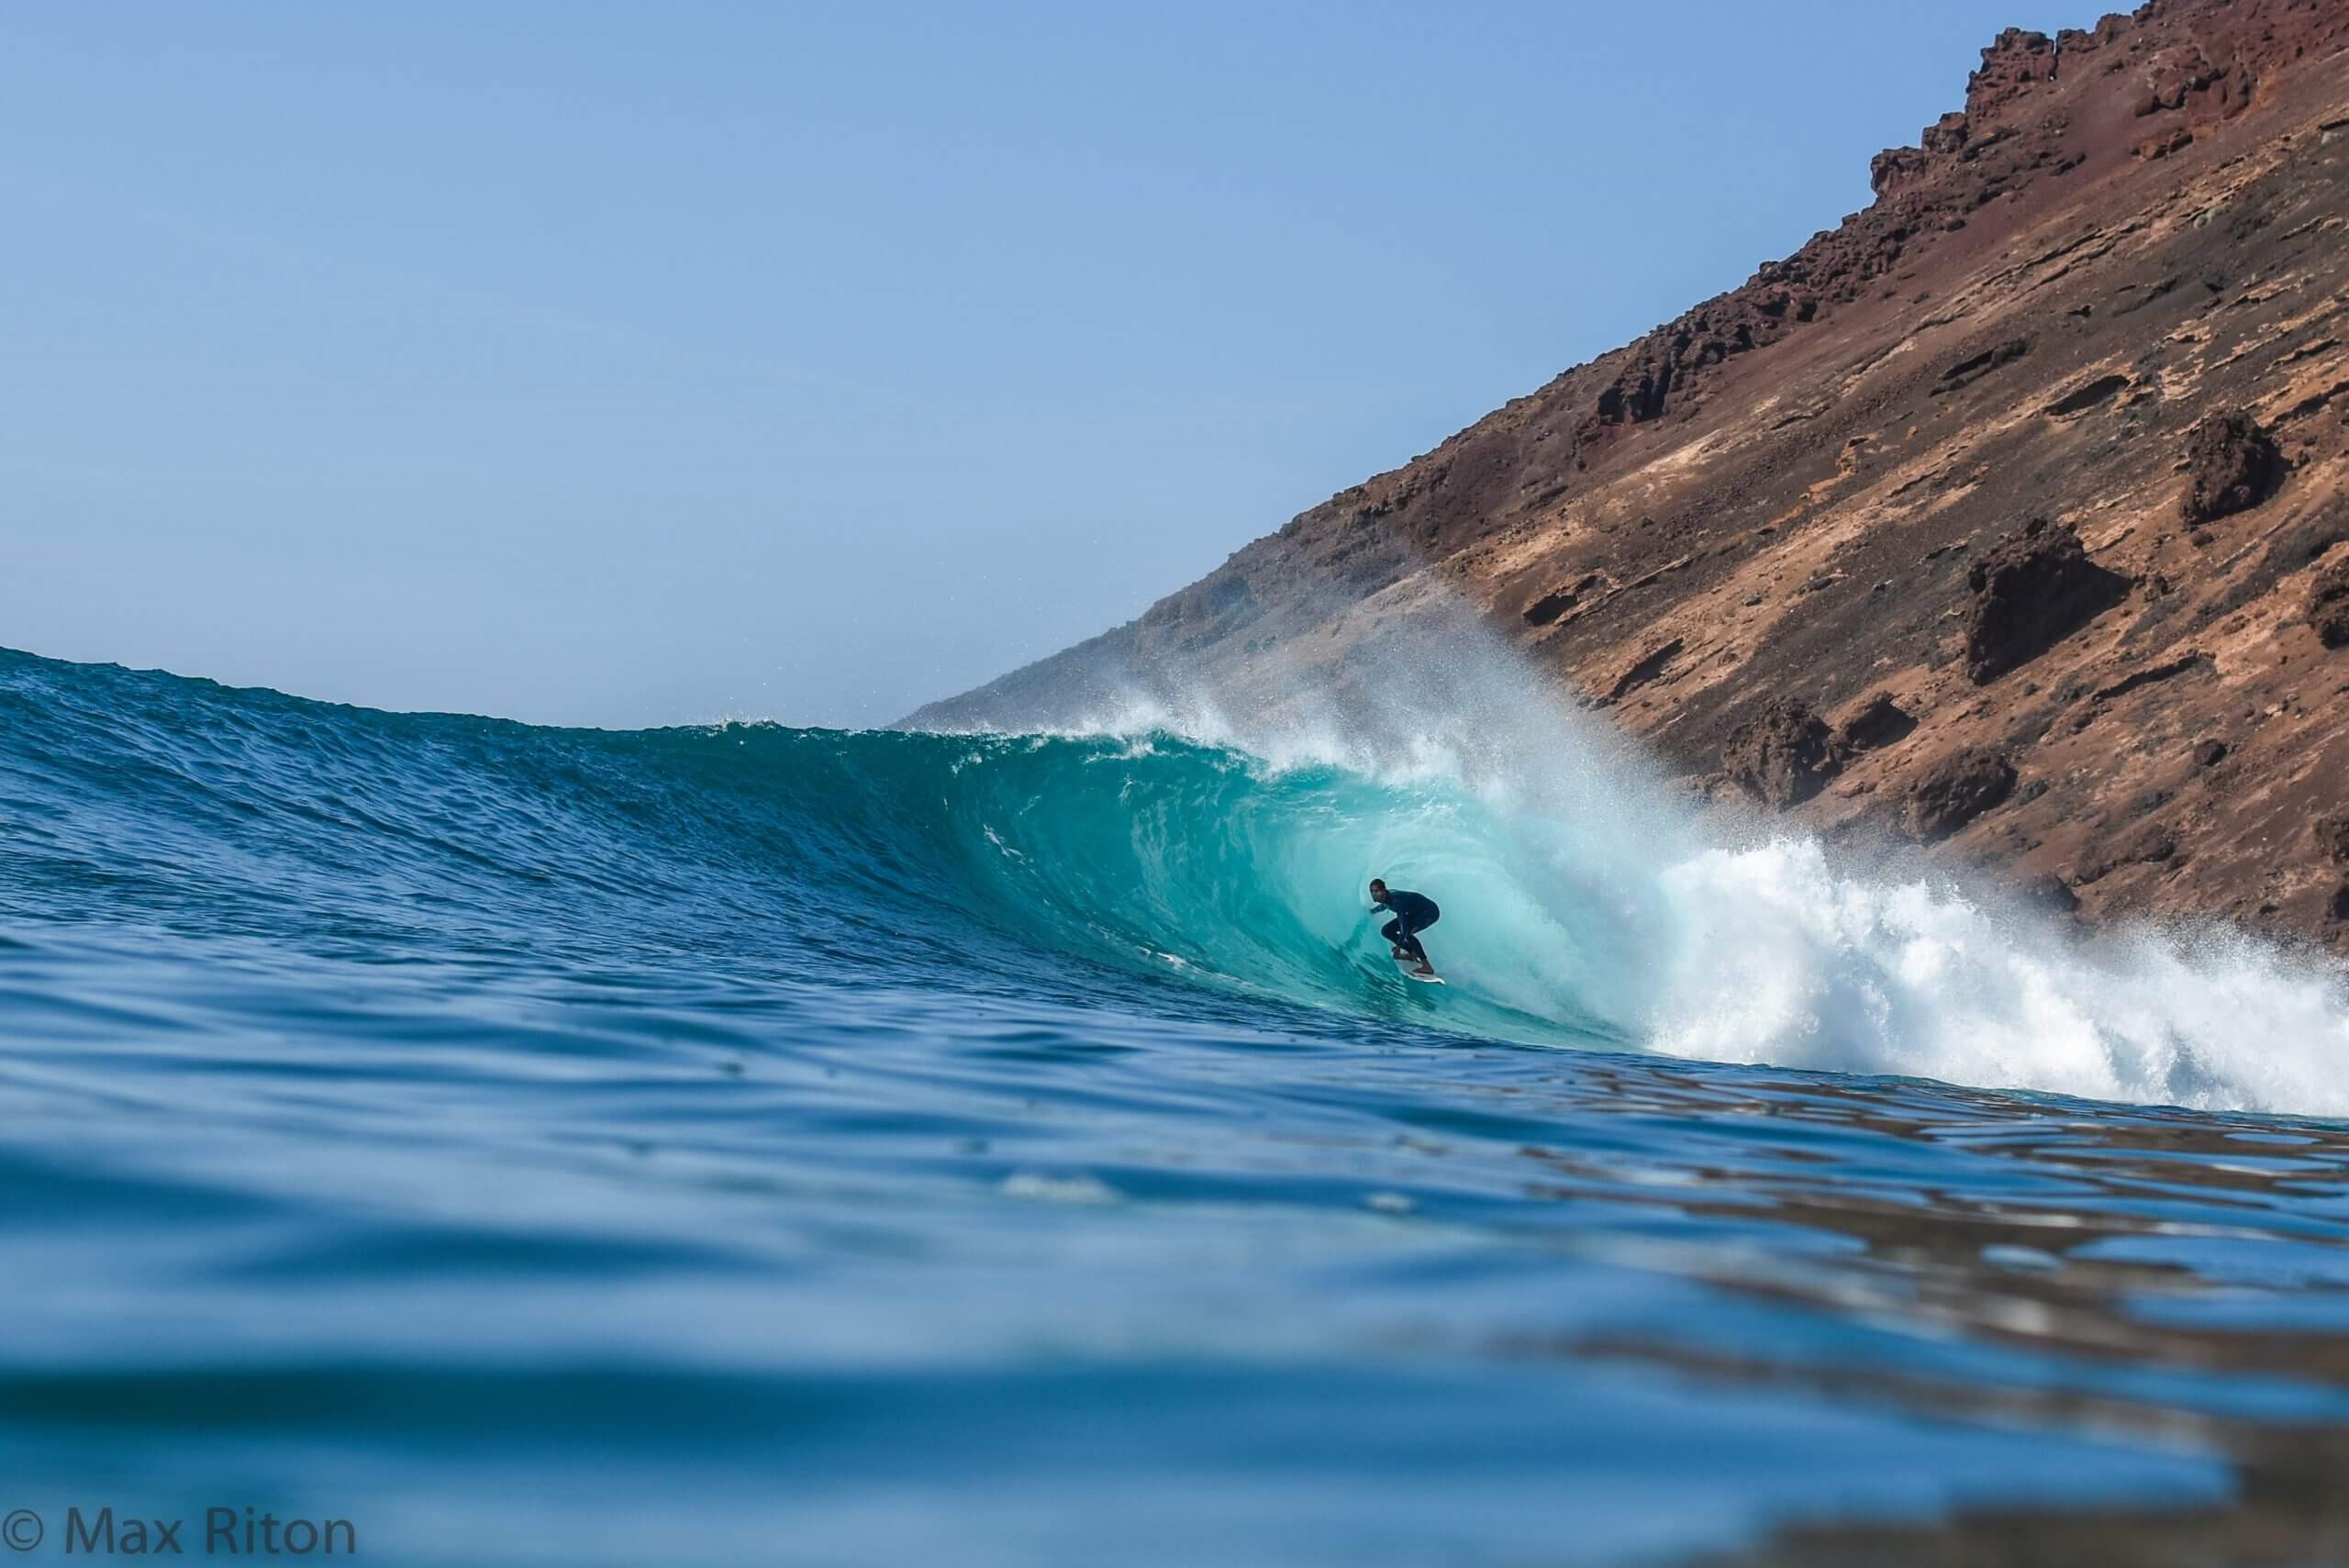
750 1145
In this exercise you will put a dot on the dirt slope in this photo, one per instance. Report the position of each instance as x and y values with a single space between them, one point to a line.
2007 514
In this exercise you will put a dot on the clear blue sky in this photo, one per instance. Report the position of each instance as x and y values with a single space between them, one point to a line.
628 364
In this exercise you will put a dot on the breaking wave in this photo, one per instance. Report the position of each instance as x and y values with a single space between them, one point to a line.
1582 908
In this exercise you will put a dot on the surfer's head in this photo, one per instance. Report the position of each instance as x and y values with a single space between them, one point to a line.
1377 891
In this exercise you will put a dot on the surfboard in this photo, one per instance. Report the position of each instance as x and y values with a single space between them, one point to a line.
1410 972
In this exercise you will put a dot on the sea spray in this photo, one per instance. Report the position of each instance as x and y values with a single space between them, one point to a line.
1777 956
1584 890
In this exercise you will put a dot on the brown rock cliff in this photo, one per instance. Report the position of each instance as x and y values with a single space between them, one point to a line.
2111 293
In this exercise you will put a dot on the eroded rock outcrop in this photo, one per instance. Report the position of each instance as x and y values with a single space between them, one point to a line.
1782 756
1957 789
2033 588
2232 465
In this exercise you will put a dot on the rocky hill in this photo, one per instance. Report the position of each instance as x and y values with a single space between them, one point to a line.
2007 514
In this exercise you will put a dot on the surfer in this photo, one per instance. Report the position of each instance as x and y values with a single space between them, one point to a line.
1413 912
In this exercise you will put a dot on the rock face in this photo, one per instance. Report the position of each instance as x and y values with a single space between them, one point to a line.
1782 756
1957 789
2234 463
2030 590
1786 491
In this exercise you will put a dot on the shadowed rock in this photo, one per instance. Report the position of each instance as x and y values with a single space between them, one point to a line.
1557 602
1973 368
1880 722
1782 756
2080 399
1644 671
1957 789
2032 589
2234 463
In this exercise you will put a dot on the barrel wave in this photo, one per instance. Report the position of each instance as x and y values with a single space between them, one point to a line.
1065 865
1083 865
743 1143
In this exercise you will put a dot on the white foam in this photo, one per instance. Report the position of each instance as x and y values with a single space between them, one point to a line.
1583 885
1777 956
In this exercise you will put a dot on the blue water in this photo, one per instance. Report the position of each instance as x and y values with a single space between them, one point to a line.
749 1145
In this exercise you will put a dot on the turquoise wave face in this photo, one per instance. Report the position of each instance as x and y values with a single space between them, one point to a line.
1168 859
1050 864
748 1144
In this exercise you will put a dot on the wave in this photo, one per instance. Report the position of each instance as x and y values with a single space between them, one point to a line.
1189 874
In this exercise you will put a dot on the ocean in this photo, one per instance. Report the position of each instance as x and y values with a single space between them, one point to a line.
743 1144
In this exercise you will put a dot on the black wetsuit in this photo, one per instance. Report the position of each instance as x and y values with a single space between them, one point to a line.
1413 912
